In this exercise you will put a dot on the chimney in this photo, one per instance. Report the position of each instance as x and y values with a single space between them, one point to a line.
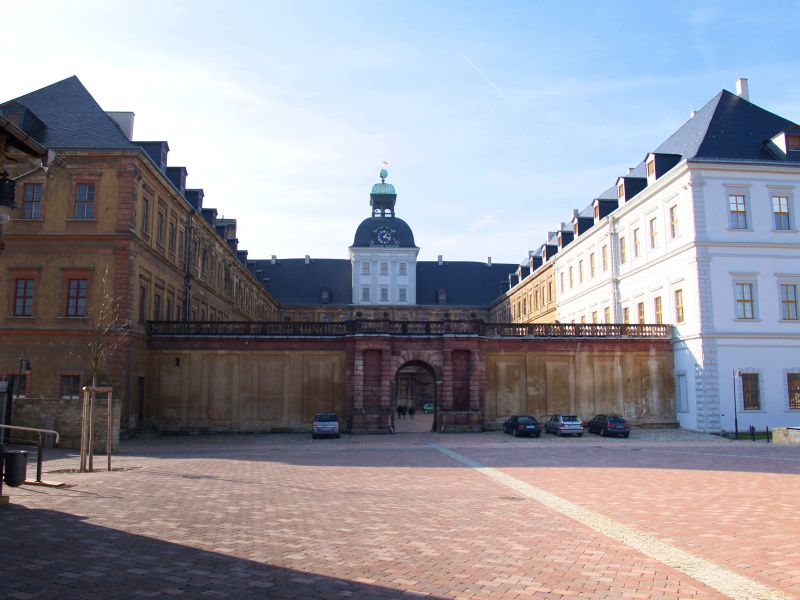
742 90
308 259
692 114
440 260
124 119
274 260
489 261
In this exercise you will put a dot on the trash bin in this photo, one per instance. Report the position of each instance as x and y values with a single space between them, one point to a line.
16 467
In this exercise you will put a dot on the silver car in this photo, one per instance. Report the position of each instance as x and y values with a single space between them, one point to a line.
325 424
564 425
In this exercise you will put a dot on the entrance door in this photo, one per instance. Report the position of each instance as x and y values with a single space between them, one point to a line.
414 398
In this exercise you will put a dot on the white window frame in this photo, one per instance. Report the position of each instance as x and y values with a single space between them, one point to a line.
745 279
782 192
744 192
365 294
786 373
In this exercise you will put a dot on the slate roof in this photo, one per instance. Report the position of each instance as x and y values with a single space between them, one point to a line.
726 128
72 117
293 282
402 232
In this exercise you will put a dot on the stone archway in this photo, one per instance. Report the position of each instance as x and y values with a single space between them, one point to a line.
414 388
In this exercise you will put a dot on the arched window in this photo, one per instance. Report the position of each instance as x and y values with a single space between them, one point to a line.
441 296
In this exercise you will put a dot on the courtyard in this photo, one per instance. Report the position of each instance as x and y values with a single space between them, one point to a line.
664 514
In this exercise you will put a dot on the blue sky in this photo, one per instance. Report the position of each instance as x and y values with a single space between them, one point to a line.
497 118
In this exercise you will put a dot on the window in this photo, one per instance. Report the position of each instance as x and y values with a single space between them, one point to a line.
623 253
607 314
604 257
570 278
403 295
70 387
640 312
621 191
562 281
744 301
681 393
591 265
365 268
157 307
549 292
384 294
23 298
403 269
780 212
181 244
365 294
626 315
580 271
384 268
653 233
636 243
20 385
751 399
171 237
738 211
657 310
32 201
84 201
168 313
76 297
160 221
673 222
789 302
142 304
651 168
583 319
679 317
793 385
145 215
594 316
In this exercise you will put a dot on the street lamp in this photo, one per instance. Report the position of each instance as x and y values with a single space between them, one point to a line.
735 410
24 363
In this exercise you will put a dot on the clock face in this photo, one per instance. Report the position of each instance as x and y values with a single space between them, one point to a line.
384 236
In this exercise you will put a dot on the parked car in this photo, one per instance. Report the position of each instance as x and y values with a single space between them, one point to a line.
518 425
427 407
563 425
609 425
325 424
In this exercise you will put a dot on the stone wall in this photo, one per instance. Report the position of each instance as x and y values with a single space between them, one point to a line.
64 416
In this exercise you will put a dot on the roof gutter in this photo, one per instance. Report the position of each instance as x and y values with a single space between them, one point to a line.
25 141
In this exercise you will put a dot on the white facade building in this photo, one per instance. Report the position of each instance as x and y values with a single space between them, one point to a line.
704 236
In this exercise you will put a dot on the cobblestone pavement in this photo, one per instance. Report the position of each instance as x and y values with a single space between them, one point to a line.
664 514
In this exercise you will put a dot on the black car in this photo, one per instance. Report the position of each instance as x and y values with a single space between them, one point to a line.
607 425
518 425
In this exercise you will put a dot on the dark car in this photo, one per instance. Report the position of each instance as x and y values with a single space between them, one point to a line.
427 407
609 425
518 425
325 424
563 425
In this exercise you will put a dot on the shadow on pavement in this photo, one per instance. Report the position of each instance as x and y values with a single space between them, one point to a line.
50 554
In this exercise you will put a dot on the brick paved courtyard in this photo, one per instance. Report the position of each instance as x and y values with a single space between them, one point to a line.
412 515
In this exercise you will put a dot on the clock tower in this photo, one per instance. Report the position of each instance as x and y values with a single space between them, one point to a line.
383 255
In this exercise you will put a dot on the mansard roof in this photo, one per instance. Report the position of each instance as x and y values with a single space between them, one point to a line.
72 117
466 283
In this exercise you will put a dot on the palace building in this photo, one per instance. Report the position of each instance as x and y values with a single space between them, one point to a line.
649 302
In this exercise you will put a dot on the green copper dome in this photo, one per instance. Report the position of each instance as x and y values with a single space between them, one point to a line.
383 188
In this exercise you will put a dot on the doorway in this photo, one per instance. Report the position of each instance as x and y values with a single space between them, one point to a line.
414 406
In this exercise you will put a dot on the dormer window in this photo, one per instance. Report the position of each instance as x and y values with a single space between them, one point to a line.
441 295
325 295
651 168
621 191
793 142
596 212
575 227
